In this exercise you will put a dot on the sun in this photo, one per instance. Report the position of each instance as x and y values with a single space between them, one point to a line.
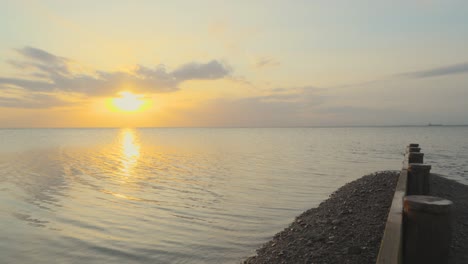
128 102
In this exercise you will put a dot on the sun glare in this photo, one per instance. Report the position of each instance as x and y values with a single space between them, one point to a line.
128 102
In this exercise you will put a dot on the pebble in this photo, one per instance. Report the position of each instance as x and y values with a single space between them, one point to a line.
354 250
336 222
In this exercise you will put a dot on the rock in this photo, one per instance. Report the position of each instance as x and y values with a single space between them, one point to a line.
336 222
354 250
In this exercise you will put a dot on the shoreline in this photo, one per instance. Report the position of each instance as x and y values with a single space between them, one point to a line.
349 225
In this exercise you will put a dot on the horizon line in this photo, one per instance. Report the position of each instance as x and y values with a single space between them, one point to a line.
170 127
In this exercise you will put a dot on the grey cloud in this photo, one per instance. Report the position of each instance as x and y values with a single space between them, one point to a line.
43 61
34 101
447 70
211 70
31 84
40 55
351 115
278 109
248 111
265 62
279 98
56 75
279 90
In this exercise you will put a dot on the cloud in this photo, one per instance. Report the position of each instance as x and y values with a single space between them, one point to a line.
209 71
289 107
31 85
264 62
441 71
49 73
32 101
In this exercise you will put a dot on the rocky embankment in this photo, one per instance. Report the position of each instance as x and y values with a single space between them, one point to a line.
348 227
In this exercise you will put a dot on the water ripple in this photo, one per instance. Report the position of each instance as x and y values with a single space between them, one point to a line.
184 195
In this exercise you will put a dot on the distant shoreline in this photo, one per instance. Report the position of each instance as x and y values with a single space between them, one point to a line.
273 127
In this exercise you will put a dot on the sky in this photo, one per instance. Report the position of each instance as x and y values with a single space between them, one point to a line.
233 63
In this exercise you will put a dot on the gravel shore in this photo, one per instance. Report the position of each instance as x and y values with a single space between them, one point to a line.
458 194
348 227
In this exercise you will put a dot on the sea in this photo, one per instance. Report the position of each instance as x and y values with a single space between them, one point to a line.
186 195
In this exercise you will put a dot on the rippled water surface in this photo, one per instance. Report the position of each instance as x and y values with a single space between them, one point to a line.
185 195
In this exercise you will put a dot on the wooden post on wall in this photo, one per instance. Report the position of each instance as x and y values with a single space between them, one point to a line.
418 179
427 229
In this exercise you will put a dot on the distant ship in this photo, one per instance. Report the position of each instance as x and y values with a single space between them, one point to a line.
430 124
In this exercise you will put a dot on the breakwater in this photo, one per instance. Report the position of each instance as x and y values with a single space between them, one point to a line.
362 222
420 224
346 228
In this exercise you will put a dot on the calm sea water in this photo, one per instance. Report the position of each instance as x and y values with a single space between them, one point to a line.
185 195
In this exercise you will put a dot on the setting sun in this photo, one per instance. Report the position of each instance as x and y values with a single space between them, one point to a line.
128 102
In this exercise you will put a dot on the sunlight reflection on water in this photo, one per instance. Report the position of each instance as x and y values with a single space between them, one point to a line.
130 150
